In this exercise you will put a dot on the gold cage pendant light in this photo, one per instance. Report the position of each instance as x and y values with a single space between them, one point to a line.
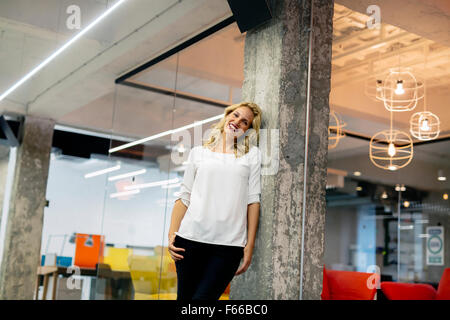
400 91
424 125
391 149
335 133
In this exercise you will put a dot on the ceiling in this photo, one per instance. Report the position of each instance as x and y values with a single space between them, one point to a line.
31 30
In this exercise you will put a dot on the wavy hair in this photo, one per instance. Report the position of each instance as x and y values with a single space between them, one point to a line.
243 143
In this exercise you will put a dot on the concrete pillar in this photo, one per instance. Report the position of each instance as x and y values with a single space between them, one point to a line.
276 78
21 255
4 160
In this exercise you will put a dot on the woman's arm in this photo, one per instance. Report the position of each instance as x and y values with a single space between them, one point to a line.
252 226
252 222
178 212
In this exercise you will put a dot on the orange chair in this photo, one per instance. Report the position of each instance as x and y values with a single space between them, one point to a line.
348 285
418 291
89 250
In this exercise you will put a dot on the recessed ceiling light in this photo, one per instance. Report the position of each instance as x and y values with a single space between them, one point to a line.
357 173
441 176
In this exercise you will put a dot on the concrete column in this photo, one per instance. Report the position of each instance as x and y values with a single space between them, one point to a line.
24 226
276 78
4 159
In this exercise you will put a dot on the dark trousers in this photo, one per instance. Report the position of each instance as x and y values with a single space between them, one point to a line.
206 269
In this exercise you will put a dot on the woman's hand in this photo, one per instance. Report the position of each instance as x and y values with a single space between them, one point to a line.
172 249
248 252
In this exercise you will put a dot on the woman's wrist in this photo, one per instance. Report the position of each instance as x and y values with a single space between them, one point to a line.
250 244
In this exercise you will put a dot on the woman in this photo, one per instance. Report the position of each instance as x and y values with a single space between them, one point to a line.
214 221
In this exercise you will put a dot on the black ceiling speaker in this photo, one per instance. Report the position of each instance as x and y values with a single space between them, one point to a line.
250 13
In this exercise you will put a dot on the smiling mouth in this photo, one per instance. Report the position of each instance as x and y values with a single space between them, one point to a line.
232 126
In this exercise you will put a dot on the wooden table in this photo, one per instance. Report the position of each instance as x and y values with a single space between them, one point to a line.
47 271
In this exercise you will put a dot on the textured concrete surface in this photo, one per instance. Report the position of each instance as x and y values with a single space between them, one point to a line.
4 159
275 77
24 229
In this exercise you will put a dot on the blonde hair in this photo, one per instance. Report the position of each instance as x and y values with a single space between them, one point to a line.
251 136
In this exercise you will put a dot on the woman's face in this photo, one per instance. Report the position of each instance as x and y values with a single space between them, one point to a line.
238 121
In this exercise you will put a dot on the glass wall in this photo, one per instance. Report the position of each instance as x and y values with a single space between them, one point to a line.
395 222
391 220
190 86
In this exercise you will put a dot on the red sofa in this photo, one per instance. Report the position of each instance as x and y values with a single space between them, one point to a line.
348 285
418 291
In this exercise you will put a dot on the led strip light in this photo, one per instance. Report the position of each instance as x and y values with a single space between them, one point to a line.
103 171
151 184
124 193
165 133
60 50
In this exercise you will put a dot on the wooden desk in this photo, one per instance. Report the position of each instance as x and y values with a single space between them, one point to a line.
101 272
46 271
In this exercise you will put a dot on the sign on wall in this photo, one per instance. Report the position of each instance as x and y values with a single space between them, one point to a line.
435 246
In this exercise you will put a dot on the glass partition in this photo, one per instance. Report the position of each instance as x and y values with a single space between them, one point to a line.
179 91
391 220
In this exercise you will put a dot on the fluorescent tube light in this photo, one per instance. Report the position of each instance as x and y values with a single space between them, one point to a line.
126 175
170 186
124 193
103 171
165 133
151 184
60 50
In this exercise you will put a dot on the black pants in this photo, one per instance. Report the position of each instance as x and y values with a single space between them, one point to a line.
206 269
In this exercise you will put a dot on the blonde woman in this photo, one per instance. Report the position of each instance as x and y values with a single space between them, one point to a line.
214 222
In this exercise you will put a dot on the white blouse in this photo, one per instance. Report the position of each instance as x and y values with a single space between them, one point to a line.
216 188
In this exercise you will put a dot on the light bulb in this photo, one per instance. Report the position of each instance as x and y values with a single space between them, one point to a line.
384 195
379 82
445 196
399 89
392 167
424 125
391 149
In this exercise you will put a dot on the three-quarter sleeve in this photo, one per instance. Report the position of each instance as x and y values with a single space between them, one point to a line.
188 179
254 180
